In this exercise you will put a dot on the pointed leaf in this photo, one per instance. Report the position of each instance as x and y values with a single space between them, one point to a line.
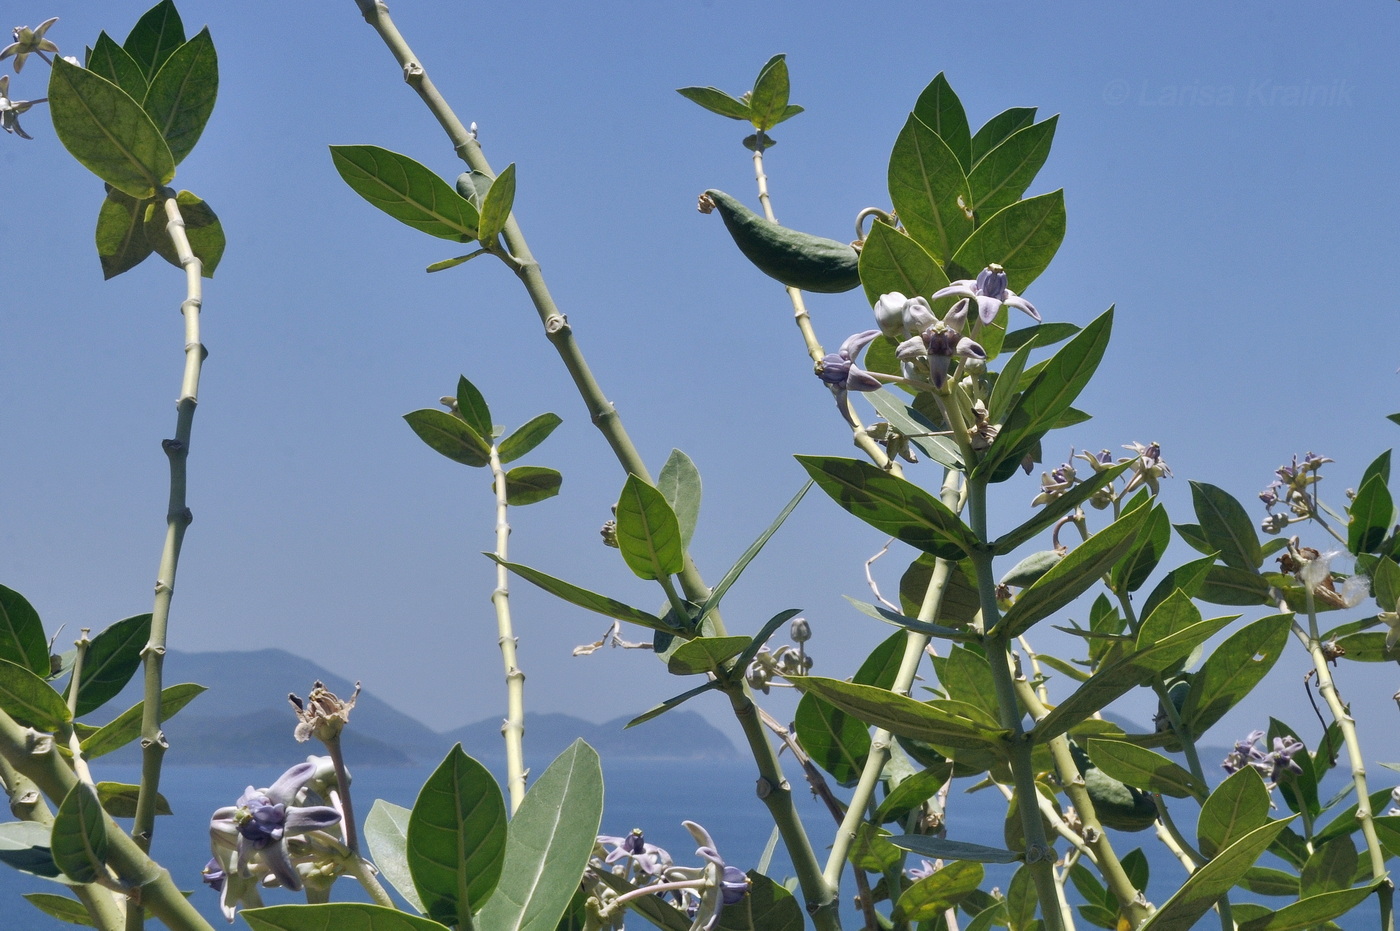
1144 769
551 839
1021 238
107 131
1226 585
892 505
121 233
998 129
1133 571
532 434
647 531
472 408
583 598
450 436
24 845
764 633
716 101
181 96
155 37
748 555
80 835
929 191
768 104
892 261
406 191
1188 578
1233 670
940 849
344 916
113 656
933 895
705 655
30 700
941 722
22 639
1312 912
1372 515
1385 580
386 832
880 612
941 110
1205 886
914 425
496 206
670 703
768 906
1002 176
116 65
456 839
529 484
1226 526
126 727
119 799
61 907
835 740
202 228
679 482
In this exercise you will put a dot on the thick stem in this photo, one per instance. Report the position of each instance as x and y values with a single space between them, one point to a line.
513 730
347 807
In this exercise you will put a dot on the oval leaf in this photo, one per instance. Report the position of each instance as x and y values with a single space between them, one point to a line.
933 895
945 723
647 531
892 261
679 482
496 206
114 63
386 832
1144 769
126 727
155 37
999 128
1226 527
202 228
716 101
112 658
450 436
30 700
181 96
941 110
1210 882
528 437
358 916
107 131
22 639
705 654
1021 238
80 835
528 484
456 839
929 191
999 179
406 191
121 233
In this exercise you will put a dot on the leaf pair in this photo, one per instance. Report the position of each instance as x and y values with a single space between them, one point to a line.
765 106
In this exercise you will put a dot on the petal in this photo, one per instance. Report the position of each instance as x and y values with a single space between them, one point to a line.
938 370
275 856
310 818
288 784
962 288
860 380
1020 303
987 308
856 342
970 349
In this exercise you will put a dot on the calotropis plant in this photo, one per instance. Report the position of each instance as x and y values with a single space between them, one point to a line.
958 395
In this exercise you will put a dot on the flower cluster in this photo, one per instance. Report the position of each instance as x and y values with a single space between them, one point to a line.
1148 469
702 892
1294 488
1273 766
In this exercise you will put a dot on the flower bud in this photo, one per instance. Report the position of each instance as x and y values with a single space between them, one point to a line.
889 314
800 630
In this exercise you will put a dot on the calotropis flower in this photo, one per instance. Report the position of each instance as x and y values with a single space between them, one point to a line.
11 109
940 343
989 290
29 42
723 884
841 374
900 317
649 858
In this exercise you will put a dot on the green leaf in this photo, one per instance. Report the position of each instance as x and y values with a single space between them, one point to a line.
115 64
202 228
451 436
939 849
673 702
60 906
22 639
998 129
1042 334
891 505
732 576
551 839
112 657
1211 881
30 700
1076 573
892 261
126 727
24 845
1367 647
966 675
929 190
121 233
1236 807
472 408
406 191
768 104
1226 585
181 96
527 437
940 722
941 110
647 531
910 794
119 799
705 654
1002 176
1261 880
456 839
79 836
881 613
1332 866
933 895
768 906
455 261
1188 578
1372 515
528 484
914 425
1226 526
155 37
1133 571
871 851
836 741
679 482
343 916
583 598
1050 513
107 131
1312 911
1144 769
496 206
1021 238
1233 670
1385 580
764 633
716 101
386 833
1049 394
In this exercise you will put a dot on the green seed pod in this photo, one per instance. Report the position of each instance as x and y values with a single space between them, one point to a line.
798 260
1032 568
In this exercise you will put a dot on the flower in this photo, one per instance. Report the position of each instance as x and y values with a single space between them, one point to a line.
899 316
940 343
322 715
11 109
726 885
249 838
649 858
841 374
1273 765
29 42
990 292
1149 468
1054 484
924 870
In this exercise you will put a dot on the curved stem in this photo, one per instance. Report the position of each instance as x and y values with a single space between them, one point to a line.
513 730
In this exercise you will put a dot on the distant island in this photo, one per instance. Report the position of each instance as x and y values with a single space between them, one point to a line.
217 729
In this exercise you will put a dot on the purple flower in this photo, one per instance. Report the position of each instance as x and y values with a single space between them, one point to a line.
29 42
1273 766
940 343
924 870
990 292
729 884
214 875
841 374
649 858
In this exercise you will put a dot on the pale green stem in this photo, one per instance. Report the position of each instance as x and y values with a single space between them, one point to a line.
177 519
364 874
1176 849
914 644
513 730
75 681
36 756
347 808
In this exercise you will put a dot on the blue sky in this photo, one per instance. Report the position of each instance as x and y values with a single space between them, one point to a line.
1229 174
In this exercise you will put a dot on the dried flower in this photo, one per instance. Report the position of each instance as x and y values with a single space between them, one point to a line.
322 715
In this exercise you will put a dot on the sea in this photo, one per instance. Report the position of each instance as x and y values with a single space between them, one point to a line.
655 796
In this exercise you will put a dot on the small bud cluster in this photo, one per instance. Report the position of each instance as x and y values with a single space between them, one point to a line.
1295 489
1148 468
